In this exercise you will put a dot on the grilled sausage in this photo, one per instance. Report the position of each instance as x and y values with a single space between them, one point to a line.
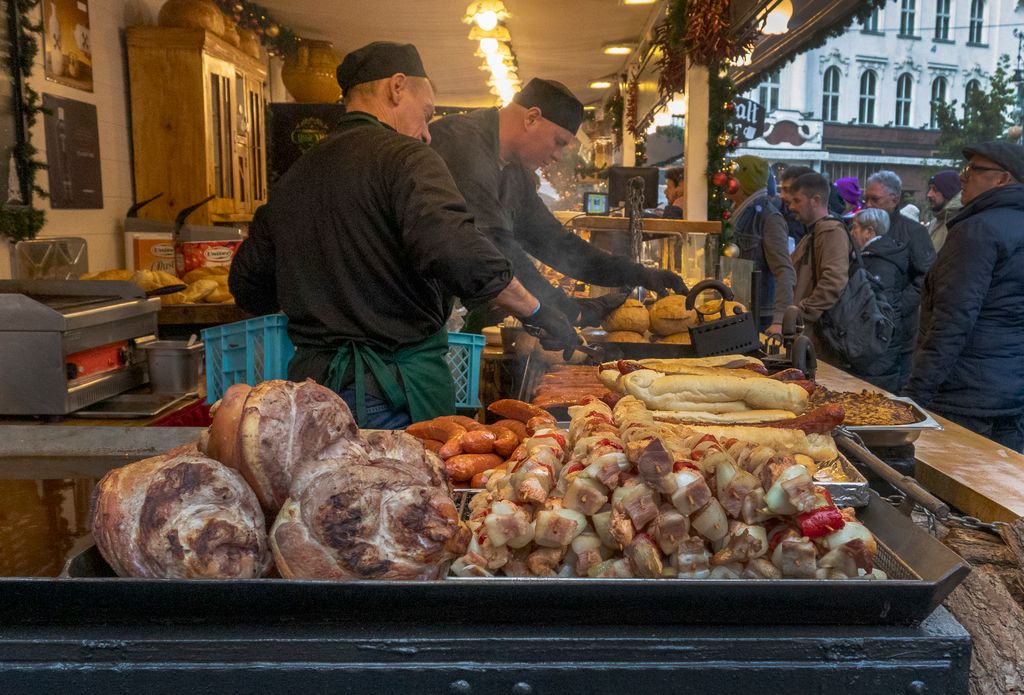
463 467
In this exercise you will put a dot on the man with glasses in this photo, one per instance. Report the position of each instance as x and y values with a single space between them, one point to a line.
969 364
884 190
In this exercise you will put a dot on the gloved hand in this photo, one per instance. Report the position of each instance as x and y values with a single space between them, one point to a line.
593 310
554 330
660 281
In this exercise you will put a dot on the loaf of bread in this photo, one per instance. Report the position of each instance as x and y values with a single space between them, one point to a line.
625 337
670 316
682 391
631 316
820 447
734 417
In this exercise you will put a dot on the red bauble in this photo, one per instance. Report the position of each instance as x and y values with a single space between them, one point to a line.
726 214
733 186
718 178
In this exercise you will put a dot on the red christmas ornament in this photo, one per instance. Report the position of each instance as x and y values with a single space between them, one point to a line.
718 178
726 214
730 107
733 186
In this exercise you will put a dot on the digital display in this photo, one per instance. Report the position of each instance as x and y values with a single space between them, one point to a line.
595 203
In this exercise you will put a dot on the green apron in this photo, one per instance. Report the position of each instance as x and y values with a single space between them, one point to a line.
427 389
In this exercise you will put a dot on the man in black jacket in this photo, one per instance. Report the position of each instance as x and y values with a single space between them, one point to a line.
884 190
969 364
492 154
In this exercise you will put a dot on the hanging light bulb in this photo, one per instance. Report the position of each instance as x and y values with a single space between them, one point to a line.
488 46
777 21
486 20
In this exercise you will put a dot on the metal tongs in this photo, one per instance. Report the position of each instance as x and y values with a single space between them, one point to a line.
595 352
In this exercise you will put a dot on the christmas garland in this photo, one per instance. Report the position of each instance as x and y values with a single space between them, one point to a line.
721 143
614 107
278 40
20 222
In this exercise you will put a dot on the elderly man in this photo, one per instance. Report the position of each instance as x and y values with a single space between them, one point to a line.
944 201
363 244
969 364
491 154
884 190
761 234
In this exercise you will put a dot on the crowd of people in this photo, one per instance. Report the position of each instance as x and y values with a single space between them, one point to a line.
953 291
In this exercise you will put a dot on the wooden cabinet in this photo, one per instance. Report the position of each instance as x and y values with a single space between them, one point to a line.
197 107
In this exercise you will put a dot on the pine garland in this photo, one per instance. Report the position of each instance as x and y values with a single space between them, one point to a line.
721 142
22 222
278 40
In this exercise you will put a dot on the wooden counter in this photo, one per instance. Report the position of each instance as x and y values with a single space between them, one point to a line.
980 477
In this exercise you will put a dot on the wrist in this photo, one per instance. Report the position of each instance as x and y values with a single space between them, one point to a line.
534 312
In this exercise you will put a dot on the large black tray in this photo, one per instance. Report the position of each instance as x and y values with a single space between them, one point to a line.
88 594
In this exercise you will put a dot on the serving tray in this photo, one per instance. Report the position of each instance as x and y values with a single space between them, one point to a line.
896 435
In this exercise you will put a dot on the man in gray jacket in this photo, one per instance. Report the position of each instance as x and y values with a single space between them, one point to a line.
884 190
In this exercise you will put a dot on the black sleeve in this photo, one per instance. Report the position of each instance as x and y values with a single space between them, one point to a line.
526 272
253 277
922 255
438 232
544 238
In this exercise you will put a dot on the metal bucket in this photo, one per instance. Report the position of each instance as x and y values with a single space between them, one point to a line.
174 365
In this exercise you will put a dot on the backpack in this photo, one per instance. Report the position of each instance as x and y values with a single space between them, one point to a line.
862 324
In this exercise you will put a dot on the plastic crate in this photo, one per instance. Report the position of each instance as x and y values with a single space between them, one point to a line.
254 350
246 352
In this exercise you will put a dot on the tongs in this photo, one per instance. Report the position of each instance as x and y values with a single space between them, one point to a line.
595 352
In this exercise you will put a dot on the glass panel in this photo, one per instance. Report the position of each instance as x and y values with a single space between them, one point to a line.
215 130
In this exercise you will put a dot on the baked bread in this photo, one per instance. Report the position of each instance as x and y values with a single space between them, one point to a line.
683 391
682 338
631 316
625 337
734 417
820 447
179 515
669 315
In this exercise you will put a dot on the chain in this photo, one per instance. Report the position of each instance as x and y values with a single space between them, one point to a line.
636 216
971 522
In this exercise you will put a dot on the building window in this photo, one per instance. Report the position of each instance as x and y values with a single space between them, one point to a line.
903 88
907 10
971 92
939 87
977 21
868 83
768 92
871 22
830 95
942 20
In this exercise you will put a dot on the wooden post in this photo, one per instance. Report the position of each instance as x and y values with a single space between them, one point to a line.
695 149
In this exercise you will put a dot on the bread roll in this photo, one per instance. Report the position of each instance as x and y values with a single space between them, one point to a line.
631 316
219 296
680 391
736 417
197 291
725 361
625 337
682 338
669 315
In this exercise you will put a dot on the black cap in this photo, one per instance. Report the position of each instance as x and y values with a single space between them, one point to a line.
555 101
378 61
1008 155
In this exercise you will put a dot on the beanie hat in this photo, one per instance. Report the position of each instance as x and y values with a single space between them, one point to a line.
751 172
947 183
849 190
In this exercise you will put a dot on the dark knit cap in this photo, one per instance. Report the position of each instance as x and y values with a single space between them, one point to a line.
947 183
555 101
378 61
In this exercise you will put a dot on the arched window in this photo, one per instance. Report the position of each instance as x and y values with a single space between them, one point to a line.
977 21
942 20
868 85
903 92
908 8
971 92
830 95
939 89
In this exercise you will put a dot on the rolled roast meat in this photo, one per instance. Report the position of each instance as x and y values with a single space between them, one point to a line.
381 512
180 515
267 430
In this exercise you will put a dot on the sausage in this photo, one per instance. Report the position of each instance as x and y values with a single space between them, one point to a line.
480 479
541 422
452 447
791 374
435 429
821 420
463 467
505 440
478 442
432 445
514 425
516 410
461 420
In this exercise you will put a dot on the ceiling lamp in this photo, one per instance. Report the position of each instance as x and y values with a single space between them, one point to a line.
638 2
498 33
600 84
618 48
486 14
777 21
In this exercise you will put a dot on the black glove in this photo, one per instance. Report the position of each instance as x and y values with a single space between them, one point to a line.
661 281
554 330
593 310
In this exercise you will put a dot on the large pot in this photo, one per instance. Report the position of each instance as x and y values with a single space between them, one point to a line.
309 73
200 14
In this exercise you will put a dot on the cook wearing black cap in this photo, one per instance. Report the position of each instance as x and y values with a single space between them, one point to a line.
364 242
969 365
492 154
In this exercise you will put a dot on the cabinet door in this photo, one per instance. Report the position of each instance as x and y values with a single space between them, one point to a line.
221 174
250 143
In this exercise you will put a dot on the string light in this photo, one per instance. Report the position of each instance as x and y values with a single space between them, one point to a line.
494 39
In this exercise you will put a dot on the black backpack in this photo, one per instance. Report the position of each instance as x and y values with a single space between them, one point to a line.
862 324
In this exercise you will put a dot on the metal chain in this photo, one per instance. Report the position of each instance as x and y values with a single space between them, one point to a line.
636 218
971 522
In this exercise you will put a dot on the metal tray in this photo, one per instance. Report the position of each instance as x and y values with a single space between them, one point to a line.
852 493
896 435
924 572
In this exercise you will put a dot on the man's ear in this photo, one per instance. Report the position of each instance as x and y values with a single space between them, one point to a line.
532 118
398 84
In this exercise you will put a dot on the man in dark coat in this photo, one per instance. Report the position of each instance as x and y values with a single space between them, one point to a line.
969 364
364 242
492 154
885 190
886 260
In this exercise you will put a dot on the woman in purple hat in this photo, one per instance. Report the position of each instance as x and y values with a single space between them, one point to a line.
849 191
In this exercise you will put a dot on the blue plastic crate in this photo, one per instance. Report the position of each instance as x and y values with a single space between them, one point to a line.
246 352
255 350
